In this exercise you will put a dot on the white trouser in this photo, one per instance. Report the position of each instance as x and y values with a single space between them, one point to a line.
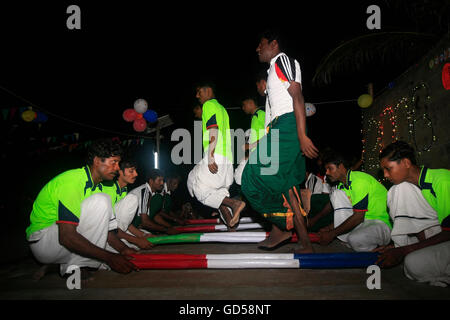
412 214
239 170
96 219
364 237
125 210
210 189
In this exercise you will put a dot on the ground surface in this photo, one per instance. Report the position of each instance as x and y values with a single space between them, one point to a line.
235 284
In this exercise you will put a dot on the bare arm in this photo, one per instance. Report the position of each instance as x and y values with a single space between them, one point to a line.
395 256
306 144
213 134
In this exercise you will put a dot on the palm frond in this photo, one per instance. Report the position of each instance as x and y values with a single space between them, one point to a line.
372 49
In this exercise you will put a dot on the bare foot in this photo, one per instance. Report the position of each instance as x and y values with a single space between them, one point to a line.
237 207
276 236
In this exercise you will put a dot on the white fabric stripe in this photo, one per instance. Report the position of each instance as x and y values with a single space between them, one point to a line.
274 256
287 67
252 264
244 226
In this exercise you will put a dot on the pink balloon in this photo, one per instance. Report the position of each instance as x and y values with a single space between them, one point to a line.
139 125
129 115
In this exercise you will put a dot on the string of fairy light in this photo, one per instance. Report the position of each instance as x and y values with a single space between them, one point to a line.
407 106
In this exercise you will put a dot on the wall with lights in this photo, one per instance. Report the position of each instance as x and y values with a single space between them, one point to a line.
415 108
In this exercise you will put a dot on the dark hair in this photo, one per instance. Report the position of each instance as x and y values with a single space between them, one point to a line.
397 151
127 163
273 34
206 84
173 175
103 148
154 174
335 157
261 75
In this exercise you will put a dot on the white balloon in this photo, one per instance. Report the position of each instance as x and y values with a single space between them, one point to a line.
140 105
310 109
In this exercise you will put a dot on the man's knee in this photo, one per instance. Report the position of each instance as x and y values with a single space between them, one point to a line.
360 242
415 265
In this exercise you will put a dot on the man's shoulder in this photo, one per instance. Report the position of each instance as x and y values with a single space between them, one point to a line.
137 190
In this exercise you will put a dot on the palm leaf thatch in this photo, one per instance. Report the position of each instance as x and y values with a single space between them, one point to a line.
376 49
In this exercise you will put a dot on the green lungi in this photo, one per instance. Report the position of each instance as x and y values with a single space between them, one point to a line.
265 192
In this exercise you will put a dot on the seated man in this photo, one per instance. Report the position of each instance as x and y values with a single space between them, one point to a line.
419 205
72 220
125 206
150 203
167 212
368 225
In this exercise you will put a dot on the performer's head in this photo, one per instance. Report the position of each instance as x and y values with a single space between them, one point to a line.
397 160
103 159
156 180
127 172
336 165
173 181
261 82
249 105
205 91
270 44
197 109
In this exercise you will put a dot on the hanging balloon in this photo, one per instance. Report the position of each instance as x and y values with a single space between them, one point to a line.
40 117
139 125
365 100
310 109
151 116
28 115
446 76
129 115
140 105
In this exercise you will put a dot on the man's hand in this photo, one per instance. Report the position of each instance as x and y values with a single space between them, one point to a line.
121 263
326 237
212 165
391 257
308 148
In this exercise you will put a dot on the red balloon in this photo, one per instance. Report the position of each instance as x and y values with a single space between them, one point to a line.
446 76
129 115
139 125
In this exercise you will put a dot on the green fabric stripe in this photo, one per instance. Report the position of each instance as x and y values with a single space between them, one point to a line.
177 238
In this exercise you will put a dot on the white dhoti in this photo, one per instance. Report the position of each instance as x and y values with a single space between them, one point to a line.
364 237
96 219
412 214
125 210
210 189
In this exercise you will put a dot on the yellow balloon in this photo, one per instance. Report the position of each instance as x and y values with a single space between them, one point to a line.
365 100
28 115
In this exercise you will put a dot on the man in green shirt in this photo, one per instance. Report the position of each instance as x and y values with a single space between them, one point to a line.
72 220
257 130
210 180
419 205
125 206
368 226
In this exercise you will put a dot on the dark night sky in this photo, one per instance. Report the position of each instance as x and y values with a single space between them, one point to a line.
128 50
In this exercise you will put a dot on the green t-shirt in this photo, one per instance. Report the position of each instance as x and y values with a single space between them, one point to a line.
115 192
60 199
214 115
257 126
367 195
435 186
157 203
